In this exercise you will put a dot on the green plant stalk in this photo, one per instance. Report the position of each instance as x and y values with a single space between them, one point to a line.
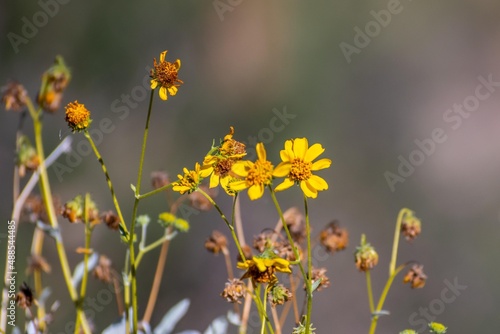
49 207
150 247
229 225
133 280
370 291
309 267
154 192
123 226
288 234
397 232
383 296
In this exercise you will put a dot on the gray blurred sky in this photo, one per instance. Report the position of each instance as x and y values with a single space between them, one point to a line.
406 76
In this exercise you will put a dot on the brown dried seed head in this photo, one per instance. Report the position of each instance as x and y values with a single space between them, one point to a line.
37 263
234 291
416 276
159 179
334 238
24 297
103 271
111 220
295 221
216 243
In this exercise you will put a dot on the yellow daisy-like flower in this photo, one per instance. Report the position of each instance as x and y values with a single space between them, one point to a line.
220 159
169 219
257 175
164 74
262 268
77 116
190 181
297 166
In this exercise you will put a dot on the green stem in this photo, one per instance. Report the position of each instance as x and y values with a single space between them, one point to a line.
133 280
123 226
49 207
395 243
309 267
152 246
370 291
383 296
154 192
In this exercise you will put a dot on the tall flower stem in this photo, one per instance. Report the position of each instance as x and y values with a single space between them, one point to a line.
49 207
397 232
309 267
370 291
137 190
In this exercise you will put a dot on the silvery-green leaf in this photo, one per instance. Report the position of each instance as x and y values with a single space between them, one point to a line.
315 284
118 327
172 317
218 326
189 332
79 269
233 318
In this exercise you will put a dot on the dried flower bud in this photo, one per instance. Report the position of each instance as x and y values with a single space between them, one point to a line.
365 256
285 251
265 240
411 227
73 210
37 263
54 81
14 96
216 243
35 209
159 179
295 221
103 271
234 291
319 274
24 297
334 238
27 158
279 295
416 276
111 220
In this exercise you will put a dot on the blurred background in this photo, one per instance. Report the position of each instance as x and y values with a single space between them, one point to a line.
367 79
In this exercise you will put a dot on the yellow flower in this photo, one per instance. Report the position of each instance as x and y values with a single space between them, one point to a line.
297 166
169 219
190 181
261 268
220 159
77 116
257 175
164 75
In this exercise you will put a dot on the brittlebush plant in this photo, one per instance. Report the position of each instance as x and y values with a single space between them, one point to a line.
273 275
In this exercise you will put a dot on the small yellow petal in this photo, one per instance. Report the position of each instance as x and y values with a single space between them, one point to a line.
308 190
162 56
163 93
261 151
283 169
317 182
238 185
321 164
287 183
177 64
313 152
214 180
172 90
256 191
260 263
289 150
154 84
300 147
241 168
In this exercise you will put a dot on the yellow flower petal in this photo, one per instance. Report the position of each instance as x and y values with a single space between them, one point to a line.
163 93
321 164
300 146
239 185
317 182
261 151
177 64
313 152
289 150
256 191
308 190
260 263
287 183
241 168
154 84
172 90
282 170
214 180
162 56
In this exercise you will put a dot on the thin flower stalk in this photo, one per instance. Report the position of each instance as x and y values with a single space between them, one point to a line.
397 232
309 267
49 207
